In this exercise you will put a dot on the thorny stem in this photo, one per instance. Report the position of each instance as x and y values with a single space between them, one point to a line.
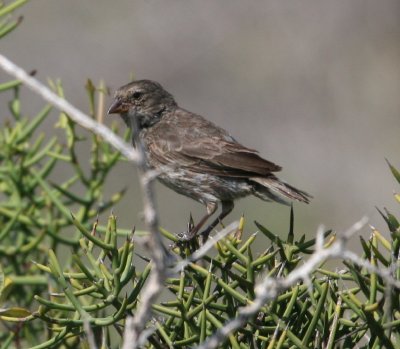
270 288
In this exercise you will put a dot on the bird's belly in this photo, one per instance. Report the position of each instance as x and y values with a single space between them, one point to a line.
205 187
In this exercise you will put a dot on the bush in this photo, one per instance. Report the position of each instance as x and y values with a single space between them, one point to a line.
67 279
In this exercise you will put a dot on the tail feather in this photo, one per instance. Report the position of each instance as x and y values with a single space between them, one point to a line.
267 187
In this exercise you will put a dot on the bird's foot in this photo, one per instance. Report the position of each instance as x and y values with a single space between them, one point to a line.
186 236
187 240
190 233
187 243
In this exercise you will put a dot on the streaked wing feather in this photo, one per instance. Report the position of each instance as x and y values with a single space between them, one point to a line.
214 155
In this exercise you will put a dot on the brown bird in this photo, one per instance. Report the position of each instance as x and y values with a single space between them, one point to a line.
198 159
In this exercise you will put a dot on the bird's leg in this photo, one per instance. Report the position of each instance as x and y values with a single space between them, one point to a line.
187 236
227 207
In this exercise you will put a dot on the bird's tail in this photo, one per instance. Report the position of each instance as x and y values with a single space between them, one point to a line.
272 188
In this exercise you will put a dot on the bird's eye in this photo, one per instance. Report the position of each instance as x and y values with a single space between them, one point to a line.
137 94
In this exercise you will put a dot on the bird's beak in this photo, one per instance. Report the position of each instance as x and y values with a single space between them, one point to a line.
118 107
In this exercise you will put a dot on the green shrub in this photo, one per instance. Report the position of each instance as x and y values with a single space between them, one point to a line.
62 274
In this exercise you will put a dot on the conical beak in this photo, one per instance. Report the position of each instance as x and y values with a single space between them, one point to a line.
117 107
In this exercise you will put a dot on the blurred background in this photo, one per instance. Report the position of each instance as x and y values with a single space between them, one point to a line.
314 86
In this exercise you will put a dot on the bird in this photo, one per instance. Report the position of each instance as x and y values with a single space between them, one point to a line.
196 158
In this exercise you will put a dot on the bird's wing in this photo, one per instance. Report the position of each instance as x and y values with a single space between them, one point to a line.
221 157
206 148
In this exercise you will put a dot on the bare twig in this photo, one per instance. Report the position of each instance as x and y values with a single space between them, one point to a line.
74 113
89 334
135 334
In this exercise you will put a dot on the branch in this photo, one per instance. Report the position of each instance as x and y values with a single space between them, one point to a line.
73 113
135 334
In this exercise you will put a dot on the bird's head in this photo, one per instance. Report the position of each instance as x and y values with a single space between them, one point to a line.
145 100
